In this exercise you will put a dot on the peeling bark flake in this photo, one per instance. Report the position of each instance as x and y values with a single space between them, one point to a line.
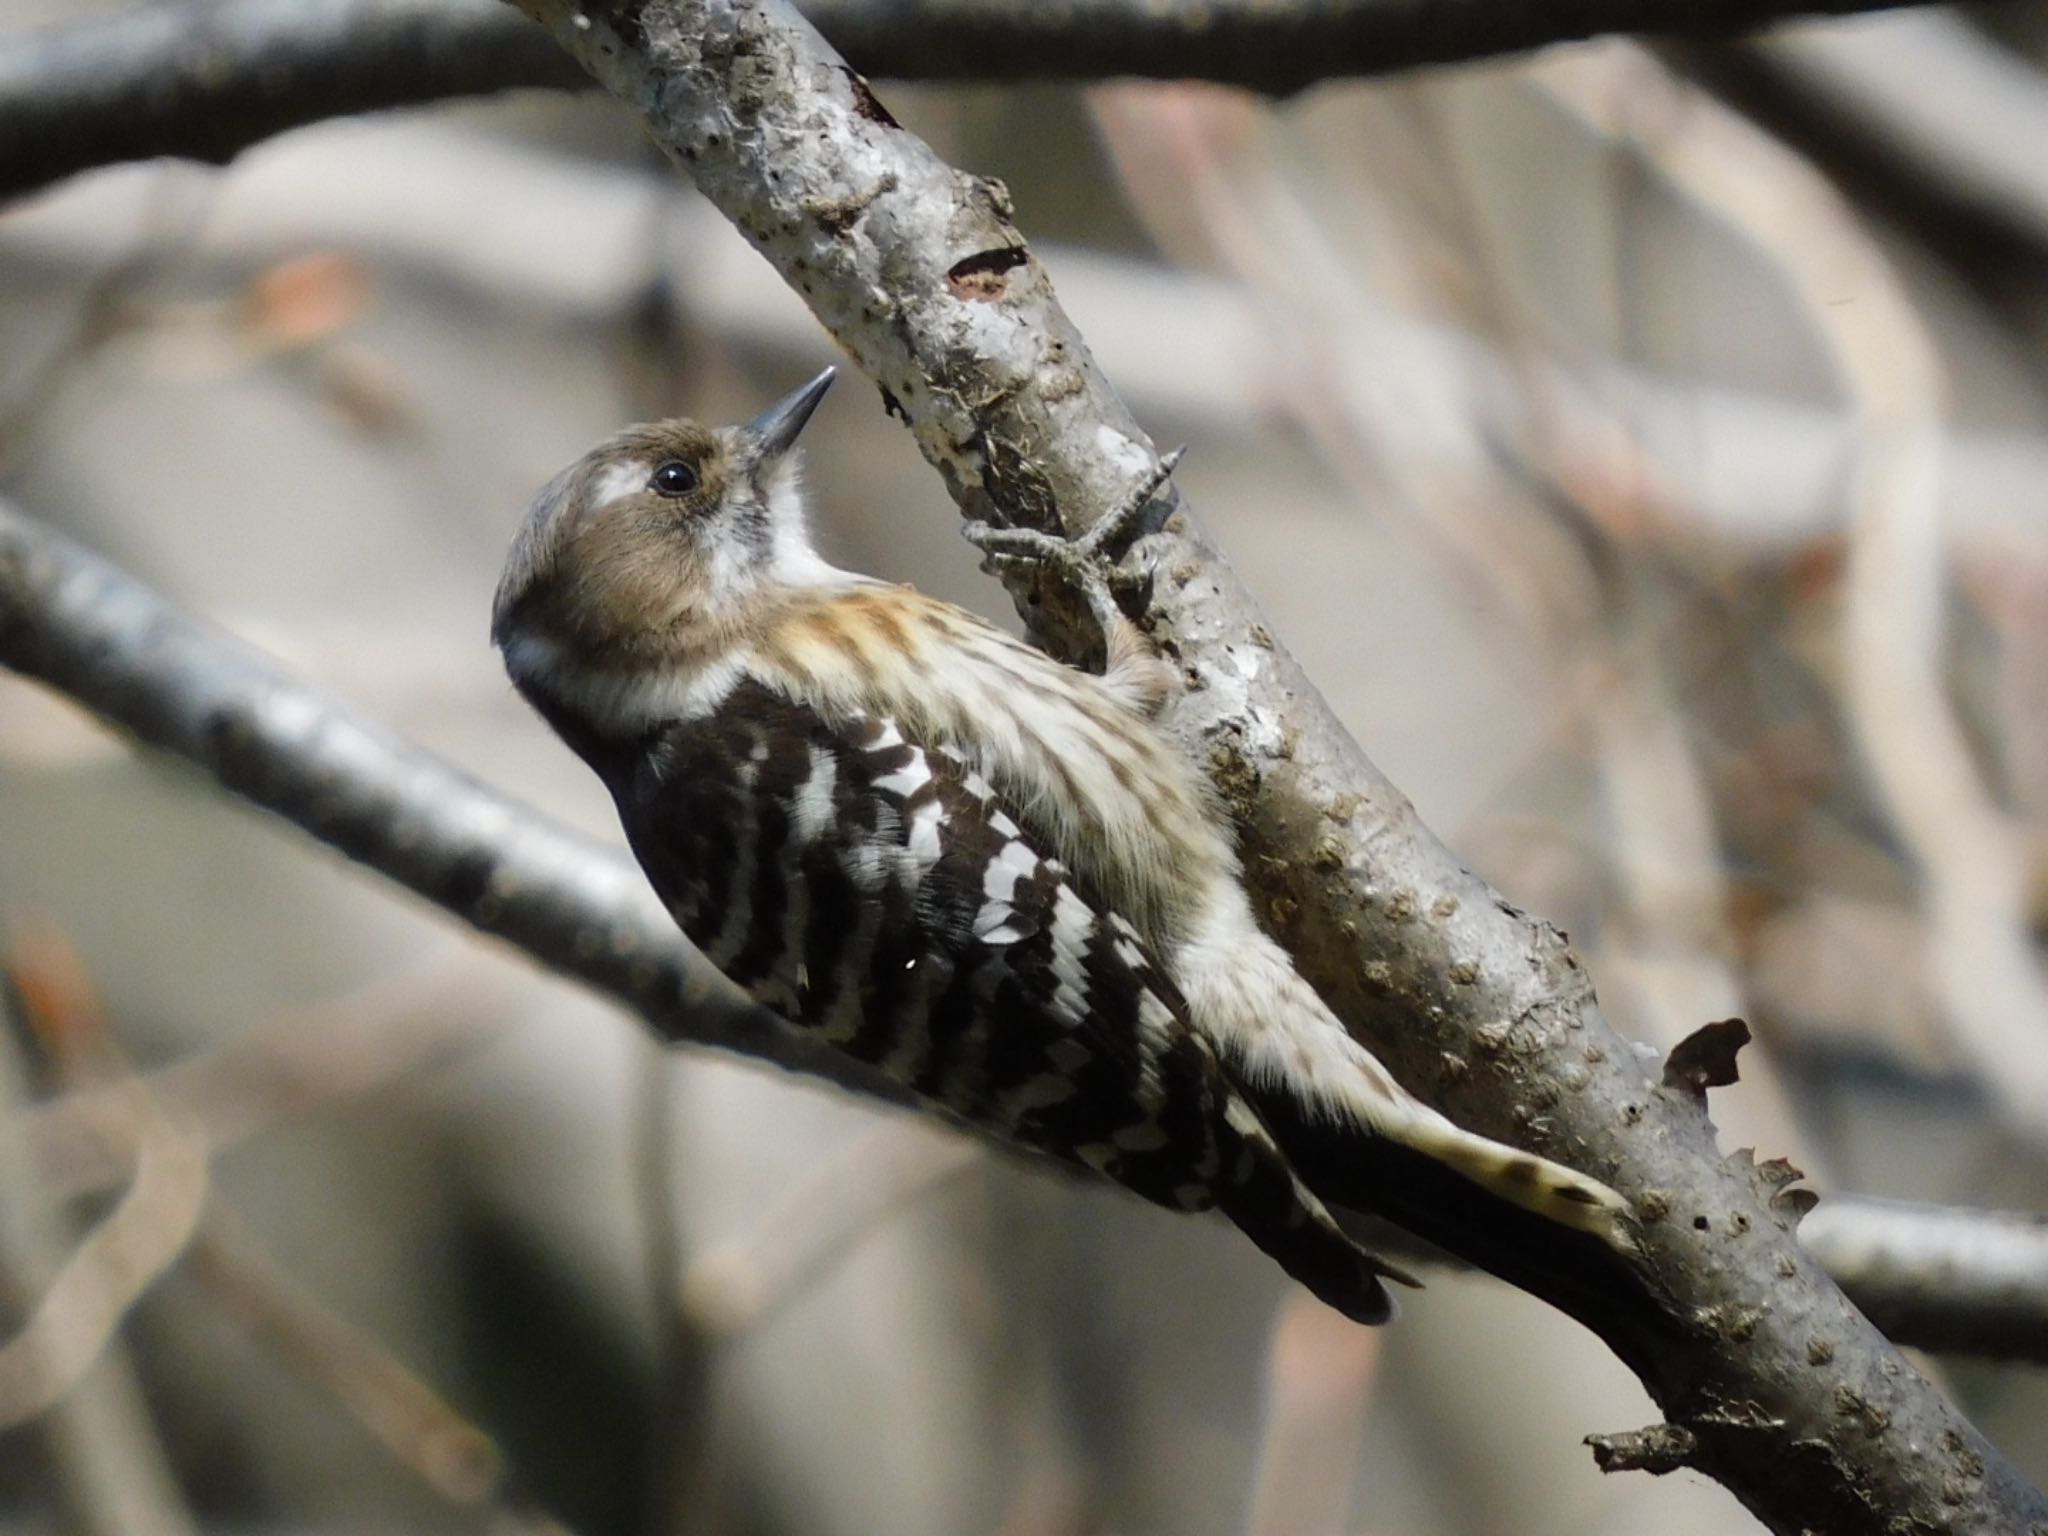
1706 1058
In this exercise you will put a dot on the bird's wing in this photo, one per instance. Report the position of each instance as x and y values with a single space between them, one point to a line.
877 889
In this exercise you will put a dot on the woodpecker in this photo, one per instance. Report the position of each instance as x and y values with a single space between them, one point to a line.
996 878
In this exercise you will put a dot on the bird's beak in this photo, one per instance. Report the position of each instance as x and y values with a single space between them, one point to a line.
772 433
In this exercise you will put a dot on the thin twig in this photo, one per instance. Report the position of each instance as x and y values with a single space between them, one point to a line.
111 1474
400 1411
1928 122
130 1248
83 1140
1754 469
819 1224
106 1274
1973 1282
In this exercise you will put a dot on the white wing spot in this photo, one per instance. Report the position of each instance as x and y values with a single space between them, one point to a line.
912 776
970 778
1155 1020
999 880
924 831
1240 1118
997 923
813 804
1072 919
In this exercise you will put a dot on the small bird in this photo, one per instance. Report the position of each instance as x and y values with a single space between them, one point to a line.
994 877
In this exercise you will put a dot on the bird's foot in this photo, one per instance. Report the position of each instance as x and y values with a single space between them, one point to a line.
1081 561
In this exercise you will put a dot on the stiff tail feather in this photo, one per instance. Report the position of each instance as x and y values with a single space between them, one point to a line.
1268 1200
1477 1204
1535 1184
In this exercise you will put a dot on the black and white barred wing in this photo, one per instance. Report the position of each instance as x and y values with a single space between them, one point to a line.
877 890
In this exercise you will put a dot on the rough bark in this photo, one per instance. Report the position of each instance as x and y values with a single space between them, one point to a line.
1782 1391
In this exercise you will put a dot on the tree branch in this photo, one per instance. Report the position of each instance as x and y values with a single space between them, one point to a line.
1785 1393
111 1472
577 906
205 80
1925 122
1974 1282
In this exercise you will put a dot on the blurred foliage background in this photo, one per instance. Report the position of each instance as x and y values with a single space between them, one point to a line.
1674 534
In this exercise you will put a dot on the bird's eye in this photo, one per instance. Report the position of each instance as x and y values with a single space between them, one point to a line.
675 478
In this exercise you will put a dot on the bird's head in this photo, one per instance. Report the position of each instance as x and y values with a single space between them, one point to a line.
655 541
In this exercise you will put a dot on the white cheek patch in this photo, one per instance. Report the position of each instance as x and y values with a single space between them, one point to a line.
617 481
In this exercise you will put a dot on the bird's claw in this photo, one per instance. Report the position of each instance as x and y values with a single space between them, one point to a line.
1081 561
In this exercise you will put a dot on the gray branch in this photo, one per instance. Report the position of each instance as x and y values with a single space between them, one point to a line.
203 81
579 907
1784 1392
206 78
1968 1282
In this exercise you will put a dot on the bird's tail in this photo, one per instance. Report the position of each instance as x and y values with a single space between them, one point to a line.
1529 1221
1262 1193
1535 1184
1296 1060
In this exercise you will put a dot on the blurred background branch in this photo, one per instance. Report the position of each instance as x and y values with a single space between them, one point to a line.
79 624
112 1471
205 79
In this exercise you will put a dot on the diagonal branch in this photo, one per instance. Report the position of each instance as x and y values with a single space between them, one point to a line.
1776 1385
577 906
205 79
